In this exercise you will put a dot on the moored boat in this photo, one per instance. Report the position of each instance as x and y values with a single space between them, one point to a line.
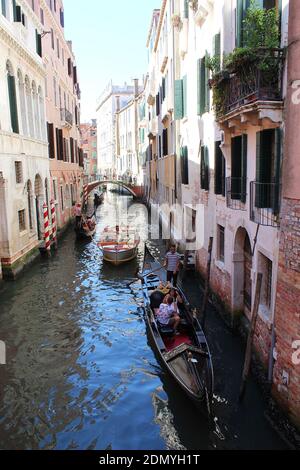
119 245
186 355
86 228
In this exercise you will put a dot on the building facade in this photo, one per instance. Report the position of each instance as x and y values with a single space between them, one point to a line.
62 110
130 138
216 135
89 147
112 99
24 162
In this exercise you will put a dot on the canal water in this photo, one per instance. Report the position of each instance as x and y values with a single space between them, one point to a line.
81 373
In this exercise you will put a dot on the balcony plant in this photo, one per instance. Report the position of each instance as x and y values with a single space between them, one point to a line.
194 5
261 41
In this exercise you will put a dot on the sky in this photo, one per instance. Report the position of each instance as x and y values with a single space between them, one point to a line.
109 41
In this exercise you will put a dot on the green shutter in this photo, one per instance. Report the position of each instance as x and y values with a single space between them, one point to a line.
199 87
263 158
202 86
18 14
241 11
186 8
217 49
178 99
184 95
207 90
244 168
3 7
13 103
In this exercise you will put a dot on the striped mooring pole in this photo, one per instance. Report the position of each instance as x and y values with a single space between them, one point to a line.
85 194
53 222
46 229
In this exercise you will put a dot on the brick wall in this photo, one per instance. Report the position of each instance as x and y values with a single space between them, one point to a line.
286 386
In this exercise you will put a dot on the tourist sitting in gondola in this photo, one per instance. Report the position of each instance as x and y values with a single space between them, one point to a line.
167 314
177 299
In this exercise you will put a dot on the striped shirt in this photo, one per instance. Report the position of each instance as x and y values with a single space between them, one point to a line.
172 261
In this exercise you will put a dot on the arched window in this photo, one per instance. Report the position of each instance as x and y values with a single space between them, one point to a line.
29 107
42 113
29 202
22 103
37 125
11 83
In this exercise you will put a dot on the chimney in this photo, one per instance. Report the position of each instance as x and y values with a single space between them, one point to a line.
136 87
117 104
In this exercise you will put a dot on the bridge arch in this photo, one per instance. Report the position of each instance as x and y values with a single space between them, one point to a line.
132 190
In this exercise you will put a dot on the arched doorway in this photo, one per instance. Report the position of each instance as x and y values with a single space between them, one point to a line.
242 267
38 192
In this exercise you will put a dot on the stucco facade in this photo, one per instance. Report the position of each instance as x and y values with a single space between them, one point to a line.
24 163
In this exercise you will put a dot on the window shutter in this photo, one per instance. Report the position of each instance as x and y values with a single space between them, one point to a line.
217 49
184 165
165 142
3 7
199 87
18 14
263 164
220 170
178 99
207 90
75 75
239 22
69 67
57 144
204 168
244 168
236 168
278 164
202 87
13 104
186 8
50 133
184 95
72 149
38 43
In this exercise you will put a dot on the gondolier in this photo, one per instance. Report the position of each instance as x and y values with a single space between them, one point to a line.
172 263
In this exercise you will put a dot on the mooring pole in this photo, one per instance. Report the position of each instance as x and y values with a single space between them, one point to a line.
207 282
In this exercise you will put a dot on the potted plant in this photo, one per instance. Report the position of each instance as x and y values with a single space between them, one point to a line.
176 21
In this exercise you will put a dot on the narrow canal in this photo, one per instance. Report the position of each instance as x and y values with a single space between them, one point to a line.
80 373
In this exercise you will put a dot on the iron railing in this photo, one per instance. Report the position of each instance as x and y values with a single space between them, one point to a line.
236 193
265 203
255 80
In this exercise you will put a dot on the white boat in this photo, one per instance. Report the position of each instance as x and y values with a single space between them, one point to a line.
119 245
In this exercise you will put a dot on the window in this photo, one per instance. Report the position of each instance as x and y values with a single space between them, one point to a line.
186 9
265 266
42 16
58 48
184 157
221 243
204 168
239 146
220 170
29 202
54 91
38 38
12 99
165 142
52 39
55 190
32 5
22 223
268 168
62 18
62 198
4 8
19 172
50 132
178 99
203 99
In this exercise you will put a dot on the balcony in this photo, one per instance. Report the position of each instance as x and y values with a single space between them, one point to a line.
236 193
250 92
202 9
66 118
265 203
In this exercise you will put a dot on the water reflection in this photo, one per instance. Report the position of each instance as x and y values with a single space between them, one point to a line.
80 373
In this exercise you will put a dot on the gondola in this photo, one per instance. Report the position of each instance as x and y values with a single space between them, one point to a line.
84 230
186 356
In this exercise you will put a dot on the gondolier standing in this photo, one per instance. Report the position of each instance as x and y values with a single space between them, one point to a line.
172 263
